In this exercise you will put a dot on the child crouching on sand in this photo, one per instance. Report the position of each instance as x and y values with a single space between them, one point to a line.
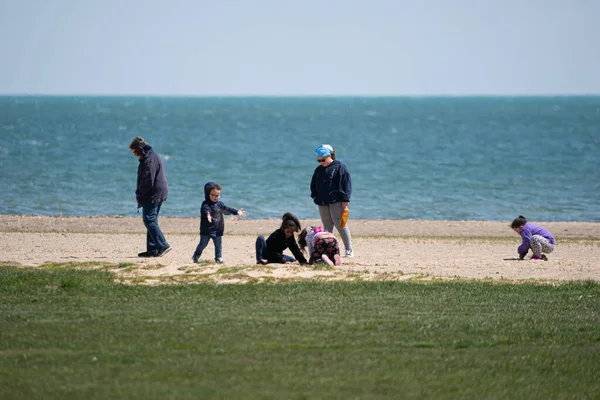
322 246
271 250
536 238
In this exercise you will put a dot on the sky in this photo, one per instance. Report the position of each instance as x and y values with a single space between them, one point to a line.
300 48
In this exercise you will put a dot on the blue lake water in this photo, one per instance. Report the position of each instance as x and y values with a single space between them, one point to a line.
434 158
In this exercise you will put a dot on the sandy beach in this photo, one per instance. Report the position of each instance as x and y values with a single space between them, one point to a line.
385 250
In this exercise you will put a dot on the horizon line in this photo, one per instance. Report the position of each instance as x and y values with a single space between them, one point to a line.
293 95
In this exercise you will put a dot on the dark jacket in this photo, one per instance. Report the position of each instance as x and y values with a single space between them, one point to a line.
216 210
277 243
331 184
151 180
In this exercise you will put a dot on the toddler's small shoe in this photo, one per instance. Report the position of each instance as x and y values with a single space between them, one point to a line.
219 260
543 257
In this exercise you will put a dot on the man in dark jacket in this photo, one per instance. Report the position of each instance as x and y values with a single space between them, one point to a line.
152 190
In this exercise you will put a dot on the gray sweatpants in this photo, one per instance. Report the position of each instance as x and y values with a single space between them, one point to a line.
331 215
540 244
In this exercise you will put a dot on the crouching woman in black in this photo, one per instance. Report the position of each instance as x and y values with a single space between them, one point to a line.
271 250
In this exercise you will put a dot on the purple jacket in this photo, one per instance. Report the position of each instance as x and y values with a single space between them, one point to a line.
528 231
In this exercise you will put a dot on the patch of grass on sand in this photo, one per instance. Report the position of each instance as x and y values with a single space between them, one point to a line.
322 267
151 266
75 334
78 265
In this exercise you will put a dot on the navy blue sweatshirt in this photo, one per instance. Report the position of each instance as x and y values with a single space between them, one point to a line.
216 210
152 185
331 184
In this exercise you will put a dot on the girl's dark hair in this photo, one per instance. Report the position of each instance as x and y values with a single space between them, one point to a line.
302 240
137 145
289 220
518 222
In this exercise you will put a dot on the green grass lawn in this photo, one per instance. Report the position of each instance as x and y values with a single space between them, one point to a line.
74 334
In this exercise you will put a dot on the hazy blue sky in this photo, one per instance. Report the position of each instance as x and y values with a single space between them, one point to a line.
302 47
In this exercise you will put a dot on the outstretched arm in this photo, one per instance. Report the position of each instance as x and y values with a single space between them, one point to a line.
232 211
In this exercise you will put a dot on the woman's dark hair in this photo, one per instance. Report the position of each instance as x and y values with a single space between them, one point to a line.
289 220
137 145
332 155
518 222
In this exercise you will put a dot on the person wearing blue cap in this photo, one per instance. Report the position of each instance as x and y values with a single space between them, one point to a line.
330 189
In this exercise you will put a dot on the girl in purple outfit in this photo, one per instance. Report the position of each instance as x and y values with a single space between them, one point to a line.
536 238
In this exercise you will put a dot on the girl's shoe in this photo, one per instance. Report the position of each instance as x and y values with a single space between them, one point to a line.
542 257
219 260
262 262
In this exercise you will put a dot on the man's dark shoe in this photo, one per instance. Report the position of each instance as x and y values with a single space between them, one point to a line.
148 254
163 252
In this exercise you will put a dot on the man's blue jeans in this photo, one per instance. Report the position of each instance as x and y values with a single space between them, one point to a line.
155 240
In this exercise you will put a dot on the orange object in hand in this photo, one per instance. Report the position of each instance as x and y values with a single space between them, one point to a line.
344 218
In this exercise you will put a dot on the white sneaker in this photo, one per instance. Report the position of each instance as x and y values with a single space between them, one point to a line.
349 253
